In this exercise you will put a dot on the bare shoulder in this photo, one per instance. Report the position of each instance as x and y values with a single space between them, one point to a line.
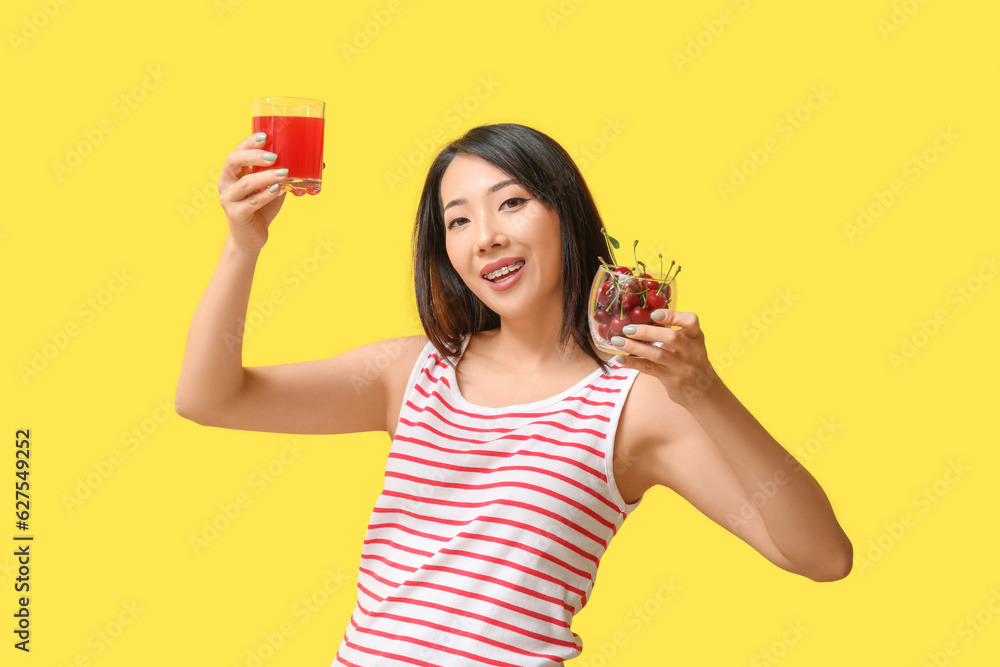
403 353
397 357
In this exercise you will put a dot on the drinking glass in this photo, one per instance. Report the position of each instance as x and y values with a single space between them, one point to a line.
618 299
294 128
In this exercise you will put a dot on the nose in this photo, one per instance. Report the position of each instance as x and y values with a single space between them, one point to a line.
491 234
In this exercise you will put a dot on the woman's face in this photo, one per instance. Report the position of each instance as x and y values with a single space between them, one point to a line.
488 217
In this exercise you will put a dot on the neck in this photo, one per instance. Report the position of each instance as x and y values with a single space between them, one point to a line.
530 344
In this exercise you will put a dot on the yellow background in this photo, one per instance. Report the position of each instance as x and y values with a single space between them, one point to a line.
662 133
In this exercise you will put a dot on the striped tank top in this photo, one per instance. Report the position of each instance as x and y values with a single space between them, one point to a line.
486 538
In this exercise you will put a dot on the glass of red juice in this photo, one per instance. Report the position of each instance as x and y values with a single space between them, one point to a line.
294 129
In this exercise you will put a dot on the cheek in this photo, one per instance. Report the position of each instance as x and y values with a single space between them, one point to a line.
449 252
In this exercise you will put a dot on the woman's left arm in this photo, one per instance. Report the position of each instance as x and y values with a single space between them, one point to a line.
719 457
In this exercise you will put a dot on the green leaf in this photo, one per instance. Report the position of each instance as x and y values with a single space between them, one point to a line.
614 242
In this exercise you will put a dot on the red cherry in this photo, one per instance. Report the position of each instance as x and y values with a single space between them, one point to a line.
607 293
602 316
630 301
650 285
618 323
623 269
655 300
640 315
602 331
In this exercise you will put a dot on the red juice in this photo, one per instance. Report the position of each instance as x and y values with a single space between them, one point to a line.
298 142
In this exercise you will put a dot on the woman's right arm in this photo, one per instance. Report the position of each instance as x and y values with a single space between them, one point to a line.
347 393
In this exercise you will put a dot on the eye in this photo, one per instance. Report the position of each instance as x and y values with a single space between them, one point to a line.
515 201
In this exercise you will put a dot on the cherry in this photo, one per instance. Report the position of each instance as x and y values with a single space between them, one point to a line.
607 293
630 301
602 331
602 316
655 300
618 323
640 315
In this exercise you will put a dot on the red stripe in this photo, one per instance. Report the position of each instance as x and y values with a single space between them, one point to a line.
460 612
486 452
514 566
505 584
473 575
436 378
526 437
562 623
494 429
489 519
381 580
469 594
482 417
450 522
385 654
608 390
405 568
494 485
485 538
405 529
500 501
523 547
446 649
541 471
508 563
401 547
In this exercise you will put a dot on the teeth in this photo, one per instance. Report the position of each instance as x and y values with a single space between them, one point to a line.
505 270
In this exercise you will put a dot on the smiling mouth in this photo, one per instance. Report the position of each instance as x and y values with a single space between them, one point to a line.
500 274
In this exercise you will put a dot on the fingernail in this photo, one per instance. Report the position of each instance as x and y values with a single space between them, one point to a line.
618 359
618 341
629 329
281 173
270 157
259 137
658 315
273 188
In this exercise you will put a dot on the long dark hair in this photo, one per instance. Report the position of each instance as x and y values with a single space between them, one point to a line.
448 309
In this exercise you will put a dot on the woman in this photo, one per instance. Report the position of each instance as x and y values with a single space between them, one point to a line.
518 449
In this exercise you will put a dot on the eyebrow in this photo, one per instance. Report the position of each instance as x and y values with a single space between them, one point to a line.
493 188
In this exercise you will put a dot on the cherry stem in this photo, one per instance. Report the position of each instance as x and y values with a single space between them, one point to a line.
610 249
